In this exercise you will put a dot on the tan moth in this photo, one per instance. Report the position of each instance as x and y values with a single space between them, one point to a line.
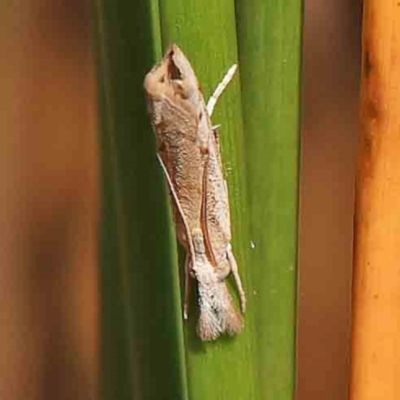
188 150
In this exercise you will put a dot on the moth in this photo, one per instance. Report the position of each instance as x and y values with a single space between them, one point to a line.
188 150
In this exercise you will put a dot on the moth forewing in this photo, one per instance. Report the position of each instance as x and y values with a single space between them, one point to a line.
168 86
217 218
217 312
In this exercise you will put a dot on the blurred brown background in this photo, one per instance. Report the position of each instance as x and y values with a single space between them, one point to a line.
48 213
330 78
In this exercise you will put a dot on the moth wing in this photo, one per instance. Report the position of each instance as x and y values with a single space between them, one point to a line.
204 217
178 206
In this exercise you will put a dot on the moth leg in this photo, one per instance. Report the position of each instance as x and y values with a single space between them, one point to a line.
191 256
223 269
236 276
187 286
220 88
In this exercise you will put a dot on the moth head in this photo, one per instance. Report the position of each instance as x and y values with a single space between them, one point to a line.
180 74
174 79
179 65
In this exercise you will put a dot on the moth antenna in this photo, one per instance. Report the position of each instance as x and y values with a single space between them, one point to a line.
220 88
